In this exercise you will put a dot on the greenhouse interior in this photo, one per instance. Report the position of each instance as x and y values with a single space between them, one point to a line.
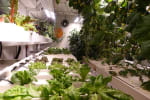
74 49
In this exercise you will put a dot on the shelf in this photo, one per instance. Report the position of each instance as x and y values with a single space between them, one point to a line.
126 85
42 76
12 35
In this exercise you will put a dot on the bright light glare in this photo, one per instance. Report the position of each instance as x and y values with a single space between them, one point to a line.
81 20
50 14
148 8
76 20
47 13
103 4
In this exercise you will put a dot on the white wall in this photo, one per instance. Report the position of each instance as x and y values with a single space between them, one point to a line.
65 41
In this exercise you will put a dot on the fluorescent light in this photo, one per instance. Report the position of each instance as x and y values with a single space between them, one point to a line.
50 14
47 13
76 20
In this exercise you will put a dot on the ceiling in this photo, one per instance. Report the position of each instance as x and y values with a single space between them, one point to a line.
64 9
35 8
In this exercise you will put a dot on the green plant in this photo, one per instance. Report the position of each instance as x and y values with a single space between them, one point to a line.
61 86
77 45
84 70
57 51
37 65
146 85
46 29
112 30
17 93
113 73
133 72
57 60
25 22
23 77
43 59
99 85
123 73
71 93
70 60
20 93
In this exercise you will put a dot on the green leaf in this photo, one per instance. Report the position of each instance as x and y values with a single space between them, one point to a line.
124 3
107 80
33 91
105 96
146 85
112 94
123 73
145 48
37 65
84 70
17 93
94 97
23 77
71 93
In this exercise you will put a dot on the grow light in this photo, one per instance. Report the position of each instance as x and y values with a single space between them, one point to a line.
76 20
47 13
50 14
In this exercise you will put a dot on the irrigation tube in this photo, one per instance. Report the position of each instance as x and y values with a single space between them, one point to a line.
18 52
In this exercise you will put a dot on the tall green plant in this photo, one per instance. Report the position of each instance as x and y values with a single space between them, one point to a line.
112 29
77 45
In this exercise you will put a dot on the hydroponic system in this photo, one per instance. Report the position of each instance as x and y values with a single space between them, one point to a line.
75 50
